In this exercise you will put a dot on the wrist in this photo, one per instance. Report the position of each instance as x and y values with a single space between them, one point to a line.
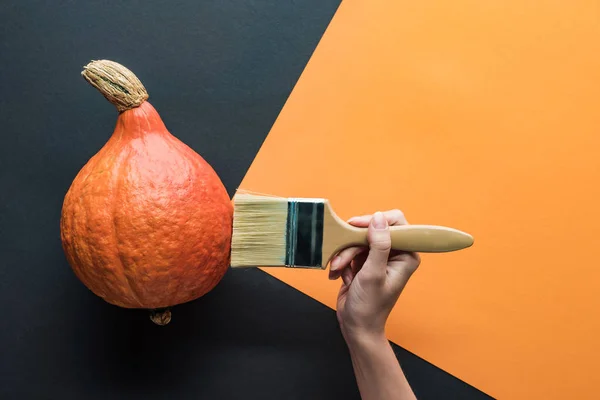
359 338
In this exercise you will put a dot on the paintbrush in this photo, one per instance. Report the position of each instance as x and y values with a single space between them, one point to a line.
270 231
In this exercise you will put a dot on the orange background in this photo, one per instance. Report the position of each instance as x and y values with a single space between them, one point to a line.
479 115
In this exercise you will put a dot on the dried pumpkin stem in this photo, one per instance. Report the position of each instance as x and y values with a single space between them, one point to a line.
118 84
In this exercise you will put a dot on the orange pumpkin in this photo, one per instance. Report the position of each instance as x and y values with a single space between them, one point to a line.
147 222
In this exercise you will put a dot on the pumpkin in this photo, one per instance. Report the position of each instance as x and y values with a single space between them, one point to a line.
146 223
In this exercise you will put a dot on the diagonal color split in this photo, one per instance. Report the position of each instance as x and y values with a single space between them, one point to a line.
476 115
218 73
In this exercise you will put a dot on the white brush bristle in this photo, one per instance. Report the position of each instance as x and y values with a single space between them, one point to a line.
259 230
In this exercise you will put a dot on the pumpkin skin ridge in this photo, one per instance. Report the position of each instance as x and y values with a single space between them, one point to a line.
79 210
115 184
68 218
179 248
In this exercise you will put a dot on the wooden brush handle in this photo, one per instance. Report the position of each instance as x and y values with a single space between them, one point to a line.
415 238
428 238
339 234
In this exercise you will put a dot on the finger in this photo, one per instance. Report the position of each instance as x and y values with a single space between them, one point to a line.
380 244
401 267
395 217
347 276
361 221
344 257
333 275
343 290
405 256
404 262
358 262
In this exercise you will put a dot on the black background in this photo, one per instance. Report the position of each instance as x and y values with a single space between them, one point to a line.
218 72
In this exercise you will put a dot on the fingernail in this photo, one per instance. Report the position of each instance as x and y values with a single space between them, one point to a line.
335 263
379 221
333 275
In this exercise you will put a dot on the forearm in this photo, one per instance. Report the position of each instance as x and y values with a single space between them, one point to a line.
378 373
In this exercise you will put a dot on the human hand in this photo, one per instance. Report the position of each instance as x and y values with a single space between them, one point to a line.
373 277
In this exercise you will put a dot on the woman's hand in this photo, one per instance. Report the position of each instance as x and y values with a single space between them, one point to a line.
373 277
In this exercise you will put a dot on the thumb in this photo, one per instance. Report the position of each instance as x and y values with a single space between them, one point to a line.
380 244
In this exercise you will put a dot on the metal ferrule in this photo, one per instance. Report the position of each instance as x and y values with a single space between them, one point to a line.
304 239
